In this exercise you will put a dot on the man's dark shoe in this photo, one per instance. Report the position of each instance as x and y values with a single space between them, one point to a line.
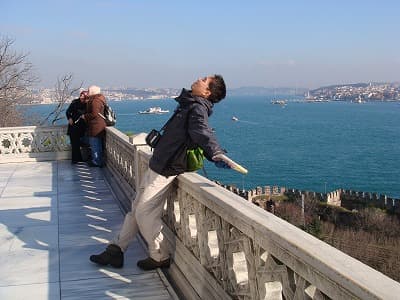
112 256
76 161
151 264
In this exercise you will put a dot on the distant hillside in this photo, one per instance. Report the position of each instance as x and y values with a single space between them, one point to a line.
357 92
358 85
355 85
266 91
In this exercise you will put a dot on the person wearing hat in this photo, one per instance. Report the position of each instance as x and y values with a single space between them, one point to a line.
76 125
96 124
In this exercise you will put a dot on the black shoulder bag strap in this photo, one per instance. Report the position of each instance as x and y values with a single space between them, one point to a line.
170 119
187 125
154 135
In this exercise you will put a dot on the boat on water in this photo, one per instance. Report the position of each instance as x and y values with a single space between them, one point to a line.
235 118
154 110
359 100
280 102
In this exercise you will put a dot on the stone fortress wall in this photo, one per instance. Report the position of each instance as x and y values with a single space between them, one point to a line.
348 199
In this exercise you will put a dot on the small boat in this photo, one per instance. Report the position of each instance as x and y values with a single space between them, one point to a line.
280 102
359 100
235 119
154 110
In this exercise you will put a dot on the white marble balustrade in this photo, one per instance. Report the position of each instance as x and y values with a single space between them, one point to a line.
32 143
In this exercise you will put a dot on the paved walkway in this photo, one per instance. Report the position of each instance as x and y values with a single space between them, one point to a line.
53 215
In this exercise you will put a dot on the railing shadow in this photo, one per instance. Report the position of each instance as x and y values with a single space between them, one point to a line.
89 219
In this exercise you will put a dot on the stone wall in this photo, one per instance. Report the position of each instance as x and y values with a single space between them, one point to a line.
356 200
34 143
348 199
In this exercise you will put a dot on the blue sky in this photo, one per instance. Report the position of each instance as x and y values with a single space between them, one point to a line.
171 43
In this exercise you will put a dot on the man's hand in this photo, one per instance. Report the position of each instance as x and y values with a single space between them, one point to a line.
70 121
221 164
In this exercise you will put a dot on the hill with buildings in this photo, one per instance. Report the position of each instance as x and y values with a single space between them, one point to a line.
357 92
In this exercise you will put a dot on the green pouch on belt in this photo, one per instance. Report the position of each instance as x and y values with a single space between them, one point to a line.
195 158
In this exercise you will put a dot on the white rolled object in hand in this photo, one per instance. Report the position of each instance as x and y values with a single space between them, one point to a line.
234 165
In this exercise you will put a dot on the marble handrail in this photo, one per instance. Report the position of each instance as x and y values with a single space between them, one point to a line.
32 143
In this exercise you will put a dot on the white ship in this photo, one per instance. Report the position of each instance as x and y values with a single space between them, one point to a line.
154 110
281 102
359 100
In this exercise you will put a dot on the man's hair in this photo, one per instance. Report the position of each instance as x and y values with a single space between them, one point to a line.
217 88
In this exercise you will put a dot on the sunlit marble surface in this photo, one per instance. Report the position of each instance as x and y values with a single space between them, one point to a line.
53 216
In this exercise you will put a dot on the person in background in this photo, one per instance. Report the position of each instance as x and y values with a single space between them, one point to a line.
188 126
96 124
76 125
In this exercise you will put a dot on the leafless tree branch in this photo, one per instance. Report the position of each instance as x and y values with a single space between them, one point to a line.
64 91
16 79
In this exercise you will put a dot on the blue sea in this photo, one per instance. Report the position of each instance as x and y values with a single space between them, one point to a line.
309 146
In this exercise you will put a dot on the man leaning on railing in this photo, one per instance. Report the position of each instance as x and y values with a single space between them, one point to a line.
187 128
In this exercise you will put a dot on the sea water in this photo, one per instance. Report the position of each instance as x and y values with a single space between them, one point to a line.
309 146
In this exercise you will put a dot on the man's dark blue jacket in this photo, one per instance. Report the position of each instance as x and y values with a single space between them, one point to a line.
74 112
187 129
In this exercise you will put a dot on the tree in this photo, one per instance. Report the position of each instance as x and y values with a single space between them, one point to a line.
63 93
16 80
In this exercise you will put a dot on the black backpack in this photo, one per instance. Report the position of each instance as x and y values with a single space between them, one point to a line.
109 115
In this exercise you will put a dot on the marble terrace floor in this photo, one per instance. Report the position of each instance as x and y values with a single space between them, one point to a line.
53 216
